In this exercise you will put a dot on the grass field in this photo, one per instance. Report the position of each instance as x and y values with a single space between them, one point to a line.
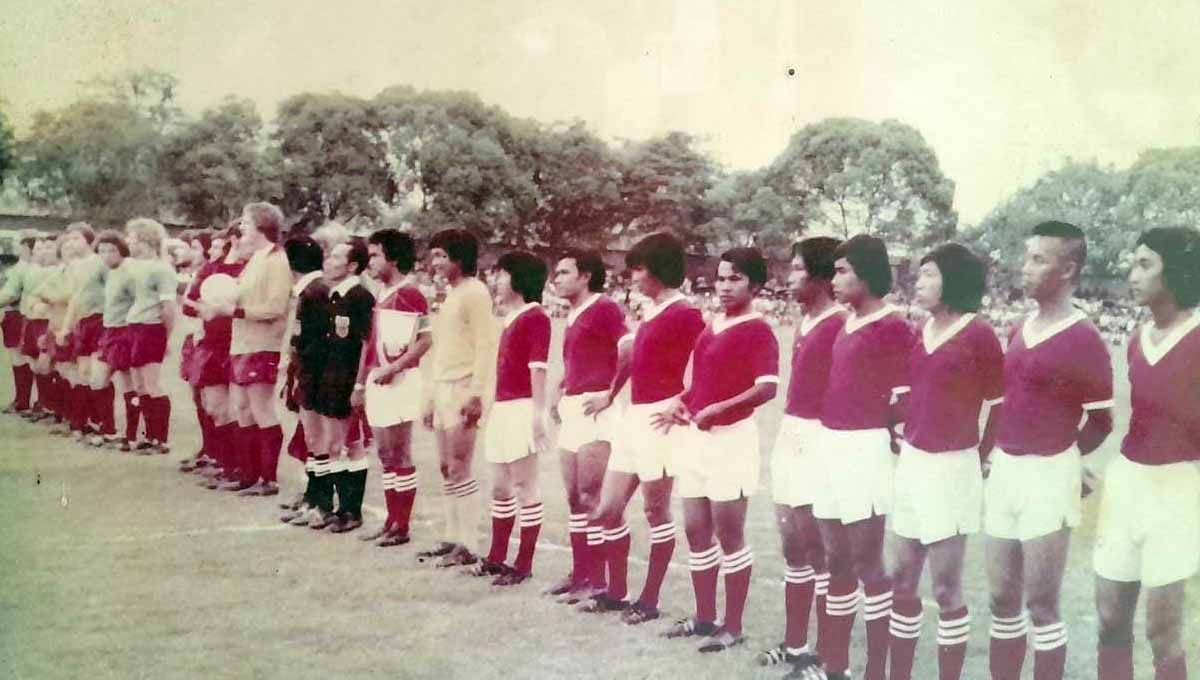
118 566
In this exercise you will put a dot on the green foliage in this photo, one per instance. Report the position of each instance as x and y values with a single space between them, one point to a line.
8 153
664 187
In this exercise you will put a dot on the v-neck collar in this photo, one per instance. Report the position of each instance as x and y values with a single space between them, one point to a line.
655 310
856 322
1034 339
577 312
512 316
808 323
1154 352
933 342
721 323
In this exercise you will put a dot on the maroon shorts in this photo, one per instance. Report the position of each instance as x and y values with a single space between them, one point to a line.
208 366
62 352
12 326
147 344
87 335
31 334
114 348
254 368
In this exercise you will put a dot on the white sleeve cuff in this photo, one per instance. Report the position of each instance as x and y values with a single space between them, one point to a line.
993 402
901 389
628 337
1097 405
538 364
763 379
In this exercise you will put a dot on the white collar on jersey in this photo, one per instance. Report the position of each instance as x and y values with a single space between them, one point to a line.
654 310
1034 339
855 322
578 311
512 316
303 282
400 283
1155 352
345 286
932 342
807 323
722 323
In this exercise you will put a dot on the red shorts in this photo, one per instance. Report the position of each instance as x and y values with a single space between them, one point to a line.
254 368
208 366
62 352
147 344
114 348
87 335
32 333
12 326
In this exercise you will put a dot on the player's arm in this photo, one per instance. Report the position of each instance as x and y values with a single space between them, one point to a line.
597 404
1096 428
539 355
1094 368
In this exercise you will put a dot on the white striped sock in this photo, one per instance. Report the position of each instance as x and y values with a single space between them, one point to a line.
908 627
843 605
358 465
705 559
1008 628
954 631
822 587
802 575
663 533
742 559
1050 636
877 606
531 515
611 535
504 508
405 482
595 535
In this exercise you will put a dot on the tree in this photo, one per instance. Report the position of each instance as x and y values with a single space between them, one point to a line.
749 212
8 154
848 175
664 187
578 183
216 165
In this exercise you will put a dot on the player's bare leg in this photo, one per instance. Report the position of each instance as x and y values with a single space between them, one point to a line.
394 445
568 467
616 491
267 442
704 562
945 559
103 387
1005 561
522 475
866 544
729 525
656 502
456 449
841 604
1116 604
1045 562
800 540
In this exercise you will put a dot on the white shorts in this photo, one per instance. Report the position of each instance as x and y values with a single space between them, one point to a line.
796 474
509 433
938 495
399 401
640 449
1025 497
576 429
859 467
1149 526
721 464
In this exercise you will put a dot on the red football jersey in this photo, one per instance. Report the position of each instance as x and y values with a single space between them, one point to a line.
870 365
731 356
590 345
952 376
524 344
661 348
1165 384
812 356
403 298
1050 379
218 331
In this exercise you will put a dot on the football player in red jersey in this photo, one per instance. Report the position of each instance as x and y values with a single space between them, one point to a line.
1148 535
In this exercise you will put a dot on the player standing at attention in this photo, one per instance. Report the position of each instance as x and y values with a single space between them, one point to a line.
595 326
87 313
658 361
516 427
464 355
14 290
1148 533
113 358
795 463
259 324
389 387
150 321
956 369
735 369
868 371
57 293
1057 368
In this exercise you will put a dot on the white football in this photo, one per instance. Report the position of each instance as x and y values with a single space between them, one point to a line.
219 289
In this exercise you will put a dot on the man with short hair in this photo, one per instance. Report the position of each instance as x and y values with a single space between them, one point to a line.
113 356
1056 371
86 313
150 322
14 290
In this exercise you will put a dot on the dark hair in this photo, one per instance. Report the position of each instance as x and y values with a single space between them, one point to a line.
662 255
115 239
460 246
964 276
869 258
528 273
817 255
304 254
358 256
1072 235
397 247
589 262
749 262
1179 248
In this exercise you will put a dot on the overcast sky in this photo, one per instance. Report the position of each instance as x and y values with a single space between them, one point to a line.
1002 89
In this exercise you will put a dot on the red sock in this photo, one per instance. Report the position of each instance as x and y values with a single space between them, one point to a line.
531 526
406 494
905 629
43 399
1049 651
103 410
388 482
132 413
662 546
705 565
1115 662
736 568
616 556
798 592
23 381
954 629
1006 653
1171 669
877 612
577 532
270 444
78 405
504 516
158 418
841 606
247 454
820 594
594 558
